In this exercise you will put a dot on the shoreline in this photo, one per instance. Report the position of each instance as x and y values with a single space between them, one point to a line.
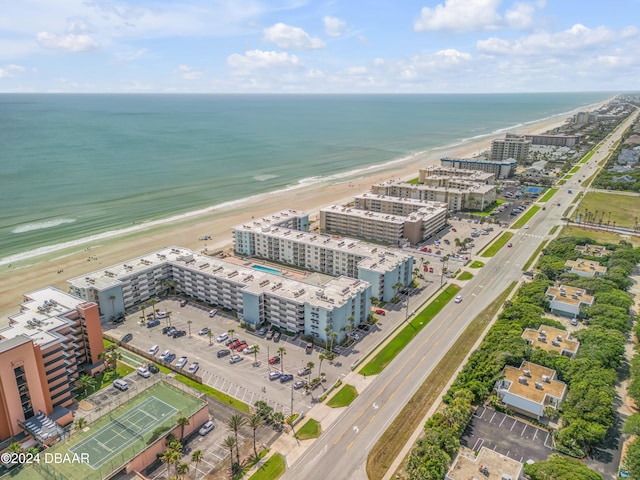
77 257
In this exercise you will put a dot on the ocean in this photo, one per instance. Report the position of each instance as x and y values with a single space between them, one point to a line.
79 167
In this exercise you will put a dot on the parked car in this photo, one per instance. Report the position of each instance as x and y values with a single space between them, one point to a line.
299 384
454 230
274 375
170 331
153 350
274 360
170 358
127 338
308 348
143 372
120 384
262 331
241 346
276 336
179 333
379 311
193 368
153 368
204 331
223 337
286 377
270 334
165 330
164 355
353 335
249 349
235 359
206 428
153 323
223 353
509 245
183 303
364 327
304 371
212 313
182 361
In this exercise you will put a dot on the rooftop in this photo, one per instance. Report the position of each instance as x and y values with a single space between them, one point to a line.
495 466
593 250
551 339
569 295
533 382
271 220
420 204
471 187
481 160
586 266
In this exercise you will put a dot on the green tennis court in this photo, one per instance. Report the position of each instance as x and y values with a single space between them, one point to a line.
123 431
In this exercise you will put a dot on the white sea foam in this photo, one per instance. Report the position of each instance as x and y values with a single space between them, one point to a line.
263 178
29 227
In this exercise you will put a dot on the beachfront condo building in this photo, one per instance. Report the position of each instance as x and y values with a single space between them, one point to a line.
499 168
54 339
382 268
554 140
259 297
441 176
464 195
512 146
381 227
394 205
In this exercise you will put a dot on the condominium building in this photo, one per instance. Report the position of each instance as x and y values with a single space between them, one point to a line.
554 140
257 296
382 268
394 205
512 146
593 250
585 268
552 339
441 176
487 464
381 227
464 195
566 300
499 168
52 340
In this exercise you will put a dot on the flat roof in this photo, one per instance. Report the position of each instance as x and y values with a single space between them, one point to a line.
472 187
586 266
569 295
271 220
467 175
593 250
562 340
41 314
529 390
481 160
466 466
403 200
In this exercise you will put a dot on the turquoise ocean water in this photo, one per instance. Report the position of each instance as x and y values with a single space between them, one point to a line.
78 166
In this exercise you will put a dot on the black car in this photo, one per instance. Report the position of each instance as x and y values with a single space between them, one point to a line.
286 377
166 330
223 353
364 327
153 323
127 338
170 358
183 303
153 368
179 333
115 321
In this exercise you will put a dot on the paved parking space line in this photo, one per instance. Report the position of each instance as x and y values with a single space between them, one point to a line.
494 414
523 430
503 419
514 424
534 435
478 444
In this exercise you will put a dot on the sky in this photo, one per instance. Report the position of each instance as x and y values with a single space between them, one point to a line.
314 46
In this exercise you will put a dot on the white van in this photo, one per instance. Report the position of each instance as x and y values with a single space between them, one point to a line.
212 313
153 350
161 315
121 384
222 337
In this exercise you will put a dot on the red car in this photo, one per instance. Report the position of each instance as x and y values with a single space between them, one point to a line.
454 230
379 311
509 245
274 360
235 343
424 249
242 346
430 269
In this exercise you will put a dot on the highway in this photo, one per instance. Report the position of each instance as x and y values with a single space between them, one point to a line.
341 451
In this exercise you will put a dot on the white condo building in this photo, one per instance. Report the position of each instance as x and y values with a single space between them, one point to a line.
500 168
382 268
512 146
257 296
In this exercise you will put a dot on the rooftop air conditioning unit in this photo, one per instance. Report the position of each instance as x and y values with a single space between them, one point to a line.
523 380
546 378
539 385
527 373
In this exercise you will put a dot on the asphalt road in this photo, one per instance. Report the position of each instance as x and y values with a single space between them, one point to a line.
341 451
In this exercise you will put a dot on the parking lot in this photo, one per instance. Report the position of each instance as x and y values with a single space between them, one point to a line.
507 435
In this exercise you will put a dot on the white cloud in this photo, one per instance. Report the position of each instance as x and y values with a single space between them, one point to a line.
577 38
378 61
261 59
189 73
70 42
286 36
357 70
334 26
475 15
9 71
79 25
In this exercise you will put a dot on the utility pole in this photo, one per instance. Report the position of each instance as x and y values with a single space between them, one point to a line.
292 399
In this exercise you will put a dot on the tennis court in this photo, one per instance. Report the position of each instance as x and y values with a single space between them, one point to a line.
123 431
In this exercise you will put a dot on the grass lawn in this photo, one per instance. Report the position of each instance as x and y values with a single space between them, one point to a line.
575 169
107 343
549 193
567 177
577 197
623 208
105 379
598 235
553 229
497 245
465 276
476 264
406 333
486 213
311 429
524 219
271 470
388 447
586 182
561 182
586 158
344 397
414 181
526 266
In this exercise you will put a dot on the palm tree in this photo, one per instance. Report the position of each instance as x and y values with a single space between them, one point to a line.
15 447
352 322
182 422
278 418
143 306
171 438
189 322
255 422
86 382
111 356
458 243
235 423
152 303
374 300
397 287
231 331
332 337
79 424
169 457
321 357
196 457
182 469
210 335
230 443
310 366
256 350
326 338
168 312
282 352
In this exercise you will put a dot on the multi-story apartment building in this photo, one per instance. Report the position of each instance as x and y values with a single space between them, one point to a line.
382 268
257 296
381 227
441 176
462 196
512 146
393 205
52 340
499 168
554 140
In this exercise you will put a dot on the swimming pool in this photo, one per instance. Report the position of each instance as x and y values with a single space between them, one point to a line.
267 269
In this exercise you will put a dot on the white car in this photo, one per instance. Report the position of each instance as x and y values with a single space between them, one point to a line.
235 359
153 350
182 361
526 227
193 368
249 349
458 299
212 313
354 335
164 354
206 428
143 372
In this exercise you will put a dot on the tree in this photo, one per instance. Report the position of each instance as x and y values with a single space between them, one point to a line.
231 331
310 366
397 287
559 467
631 461
152 303
332 337
110 355
15 447
235 423
170 457
86 382
278 418
321 357
79 424
255 422
189 322
182 470
143 307
182 422
169 312
230 443
282 352
210 335
256 350
196 457
632 425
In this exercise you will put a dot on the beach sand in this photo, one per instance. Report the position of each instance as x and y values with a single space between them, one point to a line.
54 269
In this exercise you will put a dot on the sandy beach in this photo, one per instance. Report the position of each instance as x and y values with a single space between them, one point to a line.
54 269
